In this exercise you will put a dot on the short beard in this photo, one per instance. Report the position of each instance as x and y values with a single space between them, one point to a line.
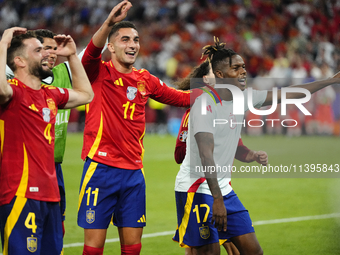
45 73
39 72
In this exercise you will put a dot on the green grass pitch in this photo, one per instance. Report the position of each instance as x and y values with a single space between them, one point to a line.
265 198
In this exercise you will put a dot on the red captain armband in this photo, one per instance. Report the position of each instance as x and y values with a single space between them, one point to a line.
242 151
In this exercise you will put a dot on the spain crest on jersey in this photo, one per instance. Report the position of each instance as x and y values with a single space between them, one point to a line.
204 232
51 106
46 112
141 88
131 93
90 216
32 243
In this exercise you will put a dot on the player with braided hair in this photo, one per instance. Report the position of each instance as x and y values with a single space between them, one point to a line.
222 53
243 154
205 199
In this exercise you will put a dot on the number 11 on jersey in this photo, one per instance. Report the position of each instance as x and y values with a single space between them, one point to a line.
132 108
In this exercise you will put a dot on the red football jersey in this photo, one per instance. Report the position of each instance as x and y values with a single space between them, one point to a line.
115 119
27 143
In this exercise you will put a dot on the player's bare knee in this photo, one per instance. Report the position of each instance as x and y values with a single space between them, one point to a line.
210 249
258 252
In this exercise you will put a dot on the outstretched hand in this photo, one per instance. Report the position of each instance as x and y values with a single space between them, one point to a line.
9 33
65 45
261 157
119 12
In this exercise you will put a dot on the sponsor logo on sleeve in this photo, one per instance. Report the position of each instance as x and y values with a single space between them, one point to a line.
183 136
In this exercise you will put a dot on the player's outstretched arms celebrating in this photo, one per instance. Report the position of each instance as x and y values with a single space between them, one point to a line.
82 92
117 14
312 87
205 143
6 91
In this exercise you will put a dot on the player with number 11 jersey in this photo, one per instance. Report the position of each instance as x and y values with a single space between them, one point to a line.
115 119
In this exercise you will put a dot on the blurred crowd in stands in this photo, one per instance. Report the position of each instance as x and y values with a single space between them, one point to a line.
282 42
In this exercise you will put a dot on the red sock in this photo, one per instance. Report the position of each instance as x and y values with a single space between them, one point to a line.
88 250
131 249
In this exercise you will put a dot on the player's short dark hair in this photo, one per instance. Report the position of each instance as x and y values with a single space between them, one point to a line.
44 33
198 72
218 54
119 25
17 47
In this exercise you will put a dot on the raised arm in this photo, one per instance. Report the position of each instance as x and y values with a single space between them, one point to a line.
312 87
117 14
82 92
6 91
205 143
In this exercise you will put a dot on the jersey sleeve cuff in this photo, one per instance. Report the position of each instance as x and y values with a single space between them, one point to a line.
95 51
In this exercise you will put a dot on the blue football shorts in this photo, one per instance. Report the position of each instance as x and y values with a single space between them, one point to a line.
109 193
31 227
61 185
194 214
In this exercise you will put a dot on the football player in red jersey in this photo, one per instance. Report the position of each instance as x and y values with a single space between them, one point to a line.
112 185
29 196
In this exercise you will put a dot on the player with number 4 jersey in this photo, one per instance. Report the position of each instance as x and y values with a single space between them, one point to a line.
30 219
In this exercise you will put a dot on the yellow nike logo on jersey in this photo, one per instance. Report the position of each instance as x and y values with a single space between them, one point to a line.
119 82
142 219
32 107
